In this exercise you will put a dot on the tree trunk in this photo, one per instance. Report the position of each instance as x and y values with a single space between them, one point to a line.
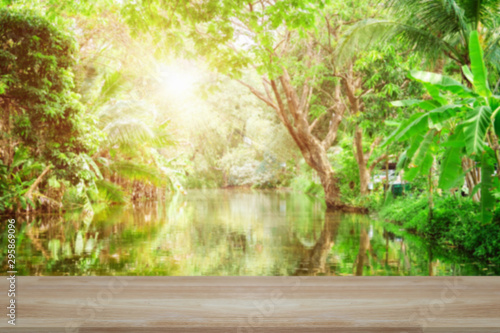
364 179
331 188
364 172
364 245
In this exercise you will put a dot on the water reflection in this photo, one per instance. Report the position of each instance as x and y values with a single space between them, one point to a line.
225 232
315 259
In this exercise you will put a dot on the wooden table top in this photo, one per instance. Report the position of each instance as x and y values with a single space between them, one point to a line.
254 304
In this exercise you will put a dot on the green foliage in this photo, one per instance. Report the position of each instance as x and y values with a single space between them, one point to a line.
455 223
111 192
432 28
128 138
126 123
462 119
476 124
304 184
16 179
79 198
451 171
135 171
42 111
478 68
43 120
343 160
384 71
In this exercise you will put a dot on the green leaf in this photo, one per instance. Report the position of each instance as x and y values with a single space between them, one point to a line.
423 149
411 173
402 162
111 191
475 127
418 125
494 102
407 102
443 113
429 104
32 204
420 155
435 93
487 199
417 121
477 65
442 82
451 166
94 166
467 73
415 143
391 123
23 202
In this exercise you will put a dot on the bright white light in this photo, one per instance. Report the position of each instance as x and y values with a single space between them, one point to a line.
177 79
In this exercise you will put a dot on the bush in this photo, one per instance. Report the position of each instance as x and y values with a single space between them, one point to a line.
305 184
454 222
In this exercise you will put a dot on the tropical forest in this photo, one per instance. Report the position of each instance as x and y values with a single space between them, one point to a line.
256 137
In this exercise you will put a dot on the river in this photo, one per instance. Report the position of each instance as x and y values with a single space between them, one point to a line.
227 232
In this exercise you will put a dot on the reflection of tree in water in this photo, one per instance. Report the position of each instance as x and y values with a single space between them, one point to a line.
365 252
346 237
82 244
314 261
237 241
222 233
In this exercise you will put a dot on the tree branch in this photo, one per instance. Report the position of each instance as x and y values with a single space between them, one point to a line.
315 122
374 144
335 120
380 159
259 95
28 194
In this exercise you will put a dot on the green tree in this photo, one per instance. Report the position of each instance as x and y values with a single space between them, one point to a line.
374 78
281 43
40 110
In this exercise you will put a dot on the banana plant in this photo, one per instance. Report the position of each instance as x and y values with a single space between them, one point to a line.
459 121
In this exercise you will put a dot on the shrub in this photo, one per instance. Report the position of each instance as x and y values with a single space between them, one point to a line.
454 222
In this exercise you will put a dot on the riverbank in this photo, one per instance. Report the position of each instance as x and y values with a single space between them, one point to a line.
453 225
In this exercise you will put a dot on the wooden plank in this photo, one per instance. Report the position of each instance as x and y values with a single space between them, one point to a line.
255 304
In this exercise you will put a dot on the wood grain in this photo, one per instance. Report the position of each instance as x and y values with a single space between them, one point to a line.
255 304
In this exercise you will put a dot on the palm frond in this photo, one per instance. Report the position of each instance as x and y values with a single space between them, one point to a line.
492 51
76 198
430 27
438 16
128 131
368 33
127 123
162 139
140 172
129 109
110 191
477 11
114 83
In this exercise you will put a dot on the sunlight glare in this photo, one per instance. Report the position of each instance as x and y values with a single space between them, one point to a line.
177 79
